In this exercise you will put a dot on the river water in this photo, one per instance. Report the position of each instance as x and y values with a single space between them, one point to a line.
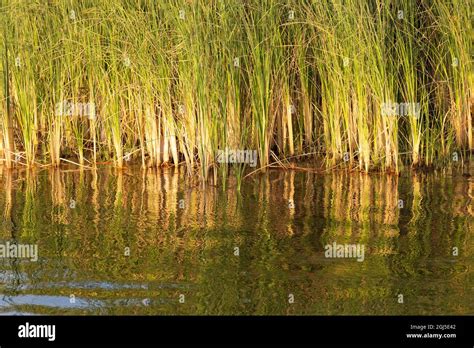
150 242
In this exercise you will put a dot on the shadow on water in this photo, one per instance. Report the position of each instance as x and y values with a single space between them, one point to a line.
148 243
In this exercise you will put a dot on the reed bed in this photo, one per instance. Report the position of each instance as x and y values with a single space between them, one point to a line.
174 82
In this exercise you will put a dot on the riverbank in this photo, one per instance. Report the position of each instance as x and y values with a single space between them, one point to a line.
365 84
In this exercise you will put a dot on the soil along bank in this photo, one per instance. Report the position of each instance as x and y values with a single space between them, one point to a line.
370 84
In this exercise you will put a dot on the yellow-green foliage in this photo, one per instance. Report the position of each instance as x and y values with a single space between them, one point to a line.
177 80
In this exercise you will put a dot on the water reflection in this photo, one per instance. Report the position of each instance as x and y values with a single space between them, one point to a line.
152 242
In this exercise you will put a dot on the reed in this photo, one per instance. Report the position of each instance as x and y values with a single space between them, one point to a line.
175 82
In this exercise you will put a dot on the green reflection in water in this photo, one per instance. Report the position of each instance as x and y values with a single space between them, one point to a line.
133 242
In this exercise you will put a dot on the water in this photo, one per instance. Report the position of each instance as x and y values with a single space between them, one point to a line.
111 243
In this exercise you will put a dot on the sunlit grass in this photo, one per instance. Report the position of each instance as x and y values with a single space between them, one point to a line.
174 82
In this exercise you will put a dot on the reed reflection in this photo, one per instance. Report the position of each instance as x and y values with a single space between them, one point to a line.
138 242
